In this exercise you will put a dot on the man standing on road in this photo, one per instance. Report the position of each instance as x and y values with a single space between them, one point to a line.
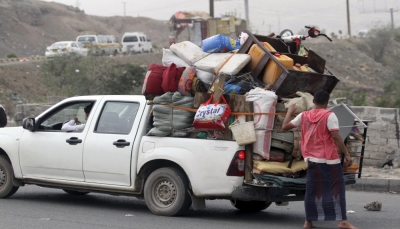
325 190
3 117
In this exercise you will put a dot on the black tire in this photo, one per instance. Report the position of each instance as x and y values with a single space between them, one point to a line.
250 206
115 53
75 193
166 192
7 187
287 32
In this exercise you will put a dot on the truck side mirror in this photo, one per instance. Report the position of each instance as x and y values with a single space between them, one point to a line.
29 124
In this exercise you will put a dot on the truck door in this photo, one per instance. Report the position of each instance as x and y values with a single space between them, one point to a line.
107 156
49 153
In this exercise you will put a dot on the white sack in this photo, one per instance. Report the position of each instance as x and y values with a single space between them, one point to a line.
263 102
188 52
303 103
262 146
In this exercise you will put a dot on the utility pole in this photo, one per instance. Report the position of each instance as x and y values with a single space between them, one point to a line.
124 8
348 18
212 8
391 16
246 12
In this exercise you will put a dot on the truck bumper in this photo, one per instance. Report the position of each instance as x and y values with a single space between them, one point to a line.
271 194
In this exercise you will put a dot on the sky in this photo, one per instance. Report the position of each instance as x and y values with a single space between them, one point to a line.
265 15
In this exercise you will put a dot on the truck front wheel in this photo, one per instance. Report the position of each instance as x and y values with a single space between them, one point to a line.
250 206
166 192
7 187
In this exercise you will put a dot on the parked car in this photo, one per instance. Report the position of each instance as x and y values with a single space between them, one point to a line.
64 47
100 44
136 42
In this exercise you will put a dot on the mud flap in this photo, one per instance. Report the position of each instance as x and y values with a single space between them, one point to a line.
197 203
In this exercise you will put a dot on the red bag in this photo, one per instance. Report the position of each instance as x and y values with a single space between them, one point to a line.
153 80
171 77
212 116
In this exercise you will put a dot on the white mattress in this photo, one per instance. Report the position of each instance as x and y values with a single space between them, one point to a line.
214 61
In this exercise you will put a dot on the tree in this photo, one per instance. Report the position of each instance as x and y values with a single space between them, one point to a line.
378 39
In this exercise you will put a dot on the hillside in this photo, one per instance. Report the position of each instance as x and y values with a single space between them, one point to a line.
27 27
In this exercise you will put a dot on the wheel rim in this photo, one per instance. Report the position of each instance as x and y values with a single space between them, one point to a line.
3 177
164 193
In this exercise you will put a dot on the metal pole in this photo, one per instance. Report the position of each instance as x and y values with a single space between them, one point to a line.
348 19
124 8
212 8
391 15
246 12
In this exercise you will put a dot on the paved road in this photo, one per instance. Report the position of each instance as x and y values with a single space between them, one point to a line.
34 207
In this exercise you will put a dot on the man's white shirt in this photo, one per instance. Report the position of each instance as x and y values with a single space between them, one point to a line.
71 126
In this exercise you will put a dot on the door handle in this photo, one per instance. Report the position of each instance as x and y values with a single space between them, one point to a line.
74 141
121 143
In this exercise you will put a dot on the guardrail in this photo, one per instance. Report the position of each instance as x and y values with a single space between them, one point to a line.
24 59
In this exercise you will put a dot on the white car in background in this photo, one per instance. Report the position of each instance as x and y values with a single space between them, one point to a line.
136 42
64 47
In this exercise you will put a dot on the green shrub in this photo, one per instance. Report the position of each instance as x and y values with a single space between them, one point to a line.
12 55
71 75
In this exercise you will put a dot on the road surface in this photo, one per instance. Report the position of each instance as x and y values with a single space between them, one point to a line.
36 208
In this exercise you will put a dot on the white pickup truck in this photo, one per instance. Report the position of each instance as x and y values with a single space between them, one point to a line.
113 155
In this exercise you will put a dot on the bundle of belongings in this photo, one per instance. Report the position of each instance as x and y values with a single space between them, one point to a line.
185 70
188 69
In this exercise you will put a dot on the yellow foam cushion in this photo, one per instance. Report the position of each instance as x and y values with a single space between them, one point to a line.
280 167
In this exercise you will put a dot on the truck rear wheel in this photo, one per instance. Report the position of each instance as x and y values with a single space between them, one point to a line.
7 187
166 192
250 206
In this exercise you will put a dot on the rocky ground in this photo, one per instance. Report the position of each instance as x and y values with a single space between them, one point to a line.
378 173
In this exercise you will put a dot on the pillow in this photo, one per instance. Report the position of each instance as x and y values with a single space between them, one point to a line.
153 80
186 80
170 78
280 167
170 57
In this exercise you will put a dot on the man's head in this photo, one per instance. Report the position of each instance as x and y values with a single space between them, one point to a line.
321 98
87 110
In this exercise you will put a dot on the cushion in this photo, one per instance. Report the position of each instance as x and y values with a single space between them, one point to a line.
153 79
280 167
171 77
188 51
186 80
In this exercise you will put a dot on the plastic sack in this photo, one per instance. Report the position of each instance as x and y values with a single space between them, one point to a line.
212 116
303 103
220 43
243 37
264 101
